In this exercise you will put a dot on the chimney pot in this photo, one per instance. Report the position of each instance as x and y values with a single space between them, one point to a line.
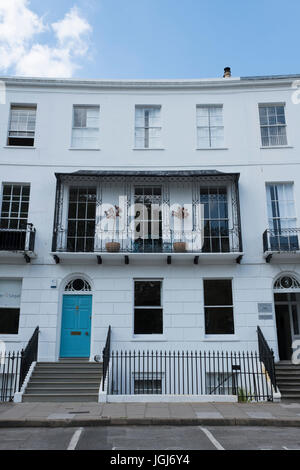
227 72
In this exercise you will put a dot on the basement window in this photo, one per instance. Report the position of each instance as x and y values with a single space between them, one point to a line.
147 387
22 125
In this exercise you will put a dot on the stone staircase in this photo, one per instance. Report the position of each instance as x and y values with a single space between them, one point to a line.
64 381
288 380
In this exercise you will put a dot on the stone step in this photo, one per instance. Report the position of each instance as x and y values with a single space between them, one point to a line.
63 367
62 390
74 378
71 398
69 385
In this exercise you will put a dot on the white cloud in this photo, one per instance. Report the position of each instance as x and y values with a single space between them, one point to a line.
23 54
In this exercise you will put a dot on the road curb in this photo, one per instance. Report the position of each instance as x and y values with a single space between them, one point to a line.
50 423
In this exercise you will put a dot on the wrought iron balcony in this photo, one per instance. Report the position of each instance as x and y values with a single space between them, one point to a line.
281 241
18 240
177 243
208 204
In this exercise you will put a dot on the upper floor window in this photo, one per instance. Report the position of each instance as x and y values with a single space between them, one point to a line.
148 127
15 204
210 128
85 131
22 125
281 206
272 125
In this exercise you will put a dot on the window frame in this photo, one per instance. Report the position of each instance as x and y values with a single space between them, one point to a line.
276 183
148 336
147 108
220 336
210 106
24 106
274 105
96 129
19 219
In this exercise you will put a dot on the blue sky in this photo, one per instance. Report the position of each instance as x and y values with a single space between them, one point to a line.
152 38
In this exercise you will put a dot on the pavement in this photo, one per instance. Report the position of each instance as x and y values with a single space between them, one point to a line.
175 414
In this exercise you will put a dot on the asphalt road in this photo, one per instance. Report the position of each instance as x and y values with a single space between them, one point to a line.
151 438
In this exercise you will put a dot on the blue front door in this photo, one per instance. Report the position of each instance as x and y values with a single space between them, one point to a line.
76 326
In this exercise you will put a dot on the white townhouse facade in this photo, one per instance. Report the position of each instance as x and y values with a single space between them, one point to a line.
78 157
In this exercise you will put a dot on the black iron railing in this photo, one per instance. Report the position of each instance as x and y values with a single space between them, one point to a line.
266 356
17 239
9 374
281 240
29 355
106 356
220 241
188 373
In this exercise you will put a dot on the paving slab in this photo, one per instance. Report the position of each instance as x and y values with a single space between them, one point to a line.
85 414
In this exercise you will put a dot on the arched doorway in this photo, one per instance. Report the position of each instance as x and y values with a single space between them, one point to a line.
287 310
76 319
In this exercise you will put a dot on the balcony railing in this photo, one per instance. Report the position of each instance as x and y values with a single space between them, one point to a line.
283 240
17 239
228 241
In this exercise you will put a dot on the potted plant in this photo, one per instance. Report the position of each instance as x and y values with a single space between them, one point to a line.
181 213
113 246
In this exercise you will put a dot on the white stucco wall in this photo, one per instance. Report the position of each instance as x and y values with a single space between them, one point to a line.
182 282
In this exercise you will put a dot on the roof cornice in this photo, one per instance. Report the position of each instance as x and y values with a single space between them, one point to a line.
233 82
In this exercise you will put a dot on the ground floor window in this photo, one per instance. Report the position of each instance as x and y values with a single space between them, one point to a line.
148 312
218 306
9 321
10 295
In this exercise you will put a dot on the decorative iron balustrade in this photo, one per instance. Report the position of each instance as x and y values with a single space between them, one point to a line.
10 365
14 367
224 241
281 240
17 239
189 373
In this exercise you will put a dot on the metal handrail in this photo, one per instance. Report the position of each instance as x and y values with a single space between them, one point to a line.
266 355
106 356
29 355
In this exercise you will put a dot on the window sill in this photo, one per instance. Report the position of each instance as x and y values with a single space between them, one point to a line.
137 148
19 147
212 148
148 338
11 338
214 338
84 149
277 147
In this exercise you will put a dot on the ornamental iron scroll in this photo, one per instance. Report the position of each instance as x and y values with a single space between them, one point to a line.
286 282
78 285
